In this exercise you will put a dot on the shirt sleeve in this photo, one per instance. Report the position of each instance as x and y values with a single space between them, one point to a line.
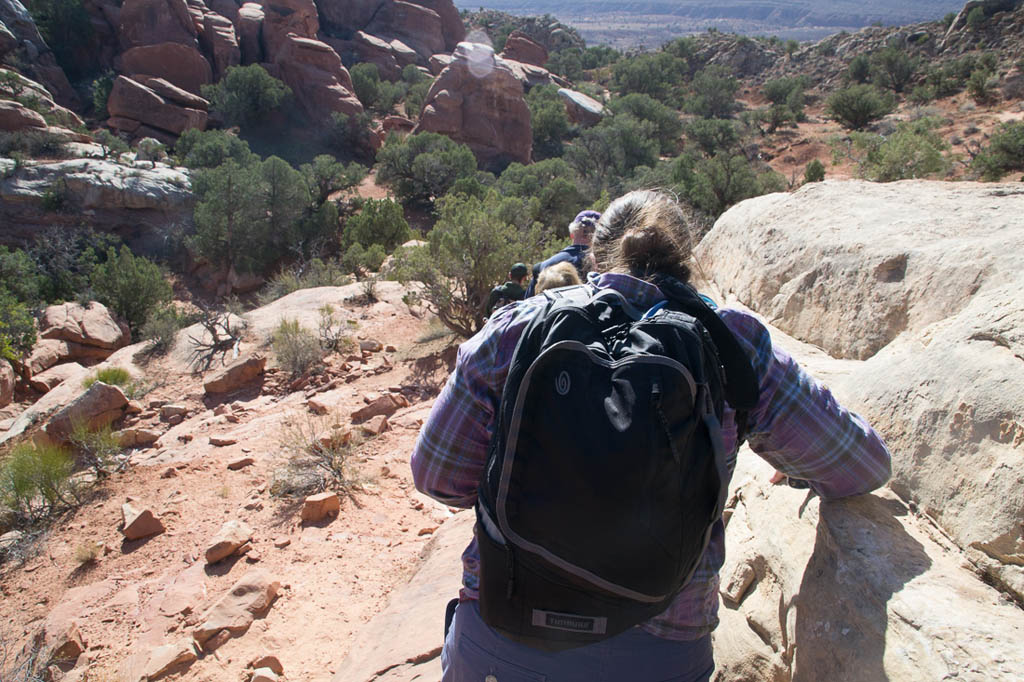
800 428
451 449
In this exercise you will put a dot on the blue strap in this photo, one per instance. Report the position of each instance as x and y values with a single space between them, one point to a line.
654 309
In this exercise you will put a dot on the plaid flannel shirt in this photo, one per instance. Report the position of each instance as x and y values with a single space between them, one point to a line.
797 426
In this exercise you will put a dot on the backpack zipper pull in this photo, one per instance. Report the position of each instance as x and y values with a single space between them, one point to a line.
510 567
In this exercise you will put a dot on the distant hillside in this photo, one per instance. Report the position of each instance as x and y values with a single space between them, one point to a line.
649 24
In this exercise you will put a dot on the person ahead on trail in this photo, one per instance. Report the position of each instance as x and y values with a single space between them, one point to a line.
785 415
581 231
510 291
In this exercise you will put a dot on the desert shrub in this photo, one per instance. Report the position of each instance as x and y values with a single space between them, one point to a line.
657 74
549 120
20 275
981 86
161 328
424 166
100 92
469 249
17 327
725 179
326 176
913 151
371 91
65 260
712 135
333 332
319 458
858 105
115 376
231 223
859 69
112 145
297 348
309 275
892 68
605 156
95 448
814 172
778 90
35 481
150 149
88 552
379 222
350 134
976 18
130 285
36 144
210 148
246 94
1004 153
415 96
551 188
922 94
667 126
713 93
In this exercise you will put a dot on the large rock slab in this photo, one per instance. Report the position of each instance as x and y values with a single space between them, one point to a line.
950 402
236 375
407 633
849 265
478 100
90 325
182 65
521 48
132 100
100 405
313 70
15 117
219 40
46 381
250 32
581 109
851 590
8 379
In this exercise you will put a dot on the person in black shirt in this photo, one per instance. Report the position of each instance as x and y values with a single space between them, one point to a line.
512 290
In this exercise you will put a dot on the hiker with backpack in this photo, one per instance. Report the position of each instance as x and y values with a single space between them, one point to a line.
595 430
510 291
581 231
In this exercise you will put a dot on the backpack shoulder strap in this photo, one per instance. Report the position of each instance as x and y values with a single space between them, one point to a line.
741 386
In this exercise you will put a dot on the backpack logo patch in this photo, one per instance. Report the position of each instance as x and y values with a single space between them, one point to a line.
569 622
563 384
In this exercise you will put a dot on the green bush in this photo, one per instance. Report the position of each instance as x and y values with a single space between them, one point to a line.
35 482
667 126
36 144
372 92
892 68
549 121
379 222
65 260
859 69
131 286
210 148
246 95
161 328
424 166
297 349
606 155
713 93
95 448
814 172
922 94
20 275
726 179
976 18
100 92
713 135
656 74
114 376
913 151
17 327
415 96
315 273
550 187
1004 153
112 145
351 134
858 105
470 248
373 258
326 176
981 86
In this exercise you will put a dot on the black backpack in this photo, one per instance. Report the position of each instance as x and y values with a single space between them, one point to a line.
606 471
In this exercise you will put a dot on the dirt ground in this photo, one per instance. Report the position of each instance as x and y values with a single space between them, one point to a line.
334 575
